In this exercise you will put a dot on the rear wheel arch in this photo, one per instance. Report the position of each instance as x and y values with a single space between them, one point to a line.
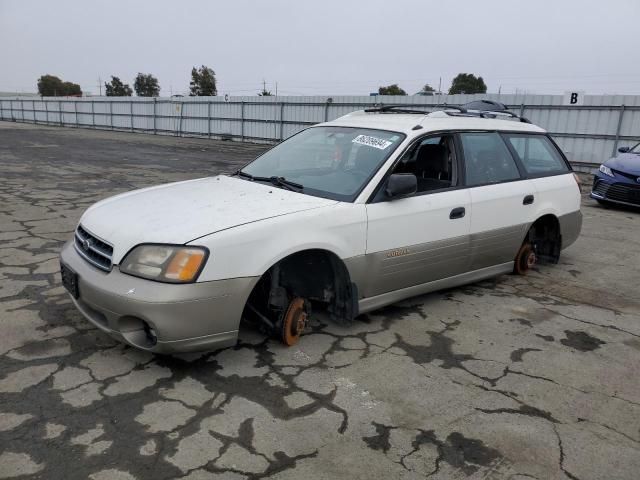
543 240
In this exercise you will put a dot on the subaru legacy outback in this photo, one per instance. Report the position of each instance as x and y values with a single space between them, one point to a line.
349 215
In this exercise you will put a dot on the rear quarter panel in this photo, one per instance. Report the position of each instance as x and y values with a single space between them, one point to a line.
558 195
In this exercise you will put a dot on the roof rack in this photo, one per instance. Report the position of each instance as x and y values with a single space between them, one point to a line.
461 111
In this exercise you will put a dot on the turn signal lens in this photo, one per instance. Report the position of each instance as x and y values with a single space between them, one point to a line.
165 263
185 265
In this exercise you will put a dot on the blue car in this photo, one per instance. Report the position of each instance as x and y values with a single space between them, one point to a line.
617 181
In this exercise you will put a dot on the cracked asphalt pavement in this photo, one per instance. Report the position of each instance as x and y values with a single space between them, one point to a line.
532 377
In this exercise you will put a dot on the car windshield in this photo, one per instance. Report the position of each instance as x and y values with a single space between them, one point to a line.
329 162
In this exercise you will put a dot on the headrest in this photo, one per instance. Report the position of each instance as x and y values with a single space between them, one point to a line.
432 157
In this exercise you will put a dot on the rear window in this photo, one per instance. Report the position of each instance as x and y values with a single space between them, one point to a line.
538 155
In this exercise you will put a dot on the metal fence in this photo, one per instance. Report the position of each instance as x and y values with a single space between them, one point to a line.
588 134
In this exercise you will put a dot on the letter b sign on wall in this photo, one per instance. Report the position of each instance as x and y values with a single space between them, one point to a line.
574 98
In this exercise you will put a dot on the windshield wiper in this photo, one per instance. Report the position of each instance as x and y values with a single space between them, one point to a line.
240 173
277 181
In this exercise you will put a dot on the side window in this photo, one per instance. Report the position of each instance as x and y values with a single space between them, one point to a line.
433 162
487 159
538 155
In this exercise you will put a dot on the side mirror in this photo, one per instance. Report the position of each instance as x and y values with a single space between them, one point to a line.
624 149
401 185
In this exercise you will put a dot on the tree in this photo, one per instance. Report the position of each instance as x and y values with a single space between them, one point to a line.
146 85
428 88
52 86
72 89
115 88
203 82
467 83
391 90
265 93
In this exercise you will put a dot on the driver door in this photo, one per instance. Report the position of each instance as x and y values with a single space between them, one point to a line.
425 237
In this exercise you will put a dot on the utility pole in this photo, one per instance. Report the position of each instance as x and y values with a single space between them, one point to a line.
264 85
100 85
440 85
276 89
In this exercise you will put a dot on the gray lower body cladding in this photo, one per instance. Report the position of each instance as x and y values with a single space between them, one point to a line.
197 316
406 267
380 272
570 227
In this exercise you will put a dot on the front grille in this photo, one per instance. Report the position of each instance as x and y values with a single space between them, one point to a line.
618 192
95 251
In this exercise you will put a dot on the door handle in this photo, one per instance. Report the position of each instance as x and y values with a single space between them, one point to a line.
457 213
528 200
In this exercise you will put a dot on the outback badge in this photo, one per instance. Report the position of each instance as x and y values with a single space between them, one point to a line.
398 252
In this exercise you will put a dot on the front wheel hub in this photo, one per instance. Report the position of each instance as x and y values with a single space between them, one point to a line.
293 322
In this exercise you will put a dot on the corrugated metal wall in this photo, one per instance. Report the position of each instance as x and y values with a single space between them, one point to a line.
589 133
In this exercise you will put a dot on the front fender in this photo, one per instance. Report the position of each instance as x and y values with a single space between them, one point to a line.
250 250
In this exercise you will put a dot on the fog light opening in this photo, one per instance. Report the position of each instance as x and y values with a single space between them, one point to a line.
138 332
150 333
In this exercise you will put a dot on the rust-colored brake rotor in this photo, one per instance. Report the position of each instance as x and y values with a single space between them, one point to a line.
525 259
294 321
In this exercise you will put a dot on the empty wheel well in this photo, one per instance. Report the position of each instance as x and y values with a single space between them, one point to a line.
318 276
545 236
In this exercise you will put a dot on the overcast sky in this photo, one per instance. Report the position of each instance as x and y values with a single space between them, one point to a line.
325 46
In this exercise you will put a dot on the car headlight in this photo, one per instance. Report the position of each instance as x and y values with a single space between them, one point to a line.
606 170
165 263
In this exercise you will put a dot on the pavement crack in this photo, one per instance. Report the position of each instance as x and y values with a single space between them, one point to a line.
562 457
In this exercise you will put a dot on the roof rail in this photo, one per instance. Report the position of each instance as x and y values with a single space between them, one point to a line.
496 114
490 114
461 111
403 109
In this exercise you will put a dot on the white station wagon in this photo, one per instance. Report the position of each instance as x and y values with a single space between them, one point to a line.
349 215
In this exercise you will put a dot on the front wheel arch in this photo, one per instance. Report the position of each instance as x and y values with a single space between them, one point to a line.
316 275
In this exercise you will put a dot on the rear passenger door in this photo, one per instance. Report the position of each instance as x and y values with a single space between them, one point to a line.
502 200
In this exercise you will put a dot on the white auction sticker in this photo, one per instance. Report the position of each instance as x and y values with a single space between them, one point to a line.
372 141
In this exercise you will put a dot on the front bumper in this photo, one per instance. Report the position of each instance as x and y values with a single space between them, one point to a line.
621 192
196 316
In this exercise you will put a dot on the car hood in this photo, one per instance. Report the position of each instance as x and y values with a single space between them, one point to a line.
180 212
625 162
